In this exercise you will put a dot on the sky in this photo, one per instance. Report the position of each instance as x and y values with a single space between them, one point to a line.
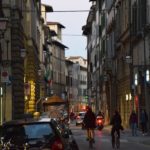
73 21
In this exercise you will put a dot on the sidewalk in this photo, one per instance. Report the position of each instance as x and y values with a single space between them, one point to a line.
140 138
127 133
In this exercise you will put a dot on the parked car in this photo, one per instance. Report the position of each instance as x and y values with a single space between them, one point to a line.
39 134
79 118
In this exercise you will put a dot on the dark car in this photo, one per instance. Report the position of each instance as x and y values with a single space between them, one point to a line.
41 134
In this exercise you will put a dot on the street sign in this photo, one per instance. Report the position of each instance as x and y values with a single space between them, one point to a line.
4 75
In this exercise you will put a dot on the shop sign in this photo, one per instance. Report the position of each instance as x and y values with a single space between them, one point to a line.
27 88
4 75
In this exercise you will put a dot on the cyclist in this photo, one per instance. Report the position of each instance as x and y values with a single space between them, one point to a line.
116 126
89 122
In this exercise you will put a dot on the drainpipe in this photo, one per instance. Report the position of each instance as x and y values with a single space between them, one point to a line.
1 9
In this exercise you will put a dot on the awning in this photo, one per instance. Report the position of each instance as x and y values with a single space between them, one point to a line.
54 100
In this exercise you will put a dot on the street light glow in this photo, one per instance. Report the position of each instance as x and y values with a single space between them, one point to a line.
130 97
127 98
147 76
1 91
136 79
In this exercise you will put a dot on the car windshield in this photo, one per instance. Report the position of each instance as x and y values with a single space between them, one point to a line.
81 114
29 131
38 130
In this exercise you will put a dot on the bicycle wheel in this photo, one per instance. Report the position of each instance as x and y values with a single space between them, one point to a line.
117 142
113 144
90 143
91 140
114 140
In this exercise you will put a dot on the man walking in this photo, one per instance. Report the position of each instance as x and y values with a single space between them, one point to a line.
133 123
144 120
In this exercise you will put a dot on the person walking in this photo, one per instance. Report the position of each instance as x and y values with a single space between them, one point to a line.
133 123
89 122
144 120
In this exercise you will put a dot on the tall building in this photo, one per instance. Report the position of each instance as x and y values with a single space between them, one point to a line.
21 49
123 38
78 73
58 60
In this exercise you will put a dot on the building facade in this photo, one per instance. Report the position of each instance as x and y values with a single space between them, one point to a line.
58 60
76 84
123 56
21 49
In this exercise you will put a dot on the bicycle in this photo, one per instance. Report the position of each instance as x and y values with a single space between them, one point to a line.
91 138
116 141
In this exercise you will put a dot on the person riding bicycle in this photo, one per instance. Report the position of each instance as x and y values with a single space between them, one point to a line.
116 125
89 122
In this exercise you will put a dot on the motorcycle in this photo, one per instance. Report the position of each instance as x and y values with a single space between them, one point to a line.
99 122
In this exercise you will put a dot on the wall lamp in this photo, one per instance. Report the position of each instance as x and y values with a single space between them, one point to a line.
23 53
136 79
128 59
147 75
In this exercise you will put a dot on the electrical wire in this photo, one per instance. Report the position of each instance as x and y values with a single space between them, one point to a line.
71 35
58 11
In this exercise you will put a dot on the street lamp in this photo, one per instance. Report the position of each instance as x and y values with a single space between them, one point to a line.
1 104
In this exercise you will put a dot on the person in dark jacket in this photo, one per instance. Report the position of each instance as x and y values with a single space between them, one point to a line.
89 122
116 125
144 120
133 123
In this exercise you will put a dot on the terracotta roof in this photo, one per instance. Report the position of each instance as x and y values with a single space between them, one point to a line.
58 43
54 100
48 8
55 23
76 57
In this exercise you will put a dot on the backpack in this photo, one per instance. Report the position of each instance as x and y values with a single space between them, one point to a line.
116 121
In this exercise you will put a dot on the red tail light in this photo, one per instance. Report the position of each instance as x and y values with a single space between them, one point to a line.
57 145
99 121
78 117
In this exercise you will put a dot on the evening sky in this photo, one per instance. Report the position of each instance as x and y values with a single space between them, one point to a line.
73 21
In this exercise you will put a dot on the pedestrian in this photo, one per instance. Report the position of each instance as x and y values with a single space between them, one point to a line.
133 123
89 122
72 116
144 120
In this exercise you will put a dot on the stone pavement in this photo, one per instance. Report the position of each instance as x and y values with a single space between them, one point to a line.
128 135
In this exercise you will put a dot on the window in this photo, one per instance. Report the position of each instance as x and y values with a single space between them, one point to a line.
40 130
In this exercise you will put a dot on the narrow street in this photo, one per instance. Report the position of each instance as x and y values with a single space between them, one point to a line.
103 140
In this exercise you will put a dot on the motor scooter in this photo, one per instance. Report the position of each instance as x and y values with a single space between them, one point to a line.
99 122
